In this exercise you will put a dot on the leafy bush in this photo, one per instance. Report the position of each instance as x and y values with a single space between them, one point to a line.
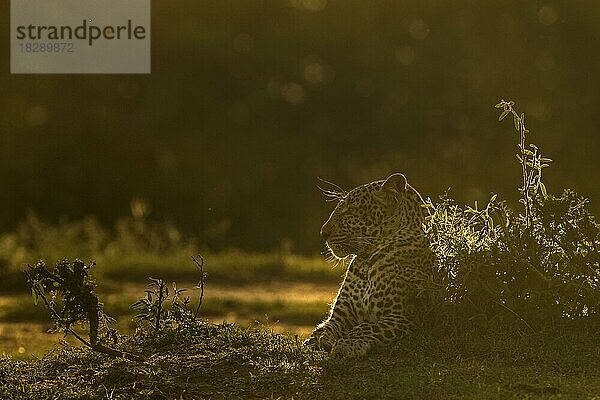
533 267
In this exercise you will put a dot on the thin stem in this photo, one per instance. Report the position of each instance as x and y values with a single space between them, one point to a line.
161 288
524 168
200 265
527 175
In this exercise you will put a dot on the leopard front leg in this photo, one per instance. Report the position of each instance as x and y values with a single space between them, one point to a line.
342 316
369 334
339 322
388 315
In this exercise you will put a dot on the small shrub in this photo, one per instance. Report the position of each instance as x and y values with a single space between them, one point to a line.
532 267
152 307
72 301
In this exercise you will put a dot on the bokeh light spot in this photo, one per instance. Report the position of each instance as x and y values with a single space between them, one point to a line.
418 29
547 15
293 93
313 73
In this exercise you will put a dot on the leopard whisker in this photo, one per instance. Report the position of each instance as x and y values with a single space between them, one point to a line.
330 192
331 195
339 189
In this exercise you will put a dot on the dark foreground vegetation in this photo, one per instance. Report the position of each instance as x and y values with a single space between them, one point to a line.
225 361
512 311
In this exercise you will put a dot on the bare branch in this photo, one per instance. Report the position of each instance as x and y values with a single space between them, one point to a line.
200 285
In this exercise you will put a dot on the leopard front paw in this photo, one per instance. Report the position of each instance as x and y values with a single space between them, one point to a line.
321 338
311 341
348 348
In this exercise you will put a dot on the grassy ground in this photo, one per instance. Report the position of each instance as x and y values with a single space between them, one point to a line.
226 361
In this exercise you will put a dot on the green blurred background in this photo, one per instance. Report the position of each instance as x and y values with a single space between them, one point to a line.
250 101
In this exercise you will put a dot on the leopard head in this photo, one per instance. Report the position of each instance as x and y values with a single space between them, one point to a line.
371 213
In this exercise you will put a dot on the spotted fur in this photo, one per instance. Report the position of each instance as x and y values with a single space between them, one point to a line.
379 226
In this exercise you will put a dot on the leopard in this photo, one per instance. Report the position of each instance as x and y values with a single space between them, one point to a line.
378 227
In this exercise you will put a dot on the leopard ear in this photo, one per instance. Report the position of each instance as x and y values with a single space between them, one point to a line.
394 184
